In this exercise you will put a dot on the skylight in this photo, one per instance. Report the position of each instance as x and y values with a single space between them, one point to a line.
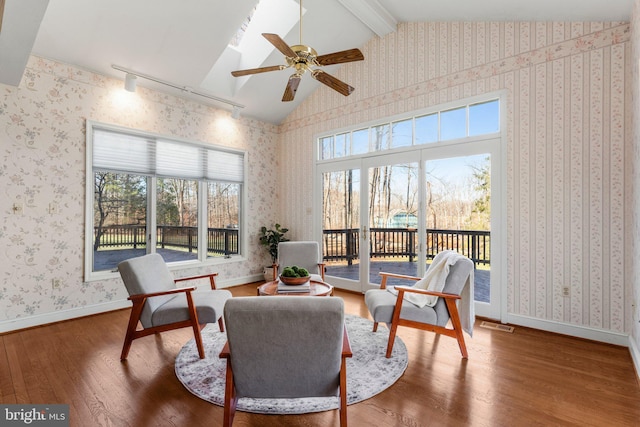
237 38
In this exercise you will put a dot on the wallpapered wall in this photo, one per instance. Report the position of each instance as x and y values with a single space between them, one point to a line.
42 147
633 172
567 121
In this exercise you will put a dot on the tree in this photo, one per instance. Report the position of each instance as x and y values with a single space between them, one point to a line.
119 199
482 185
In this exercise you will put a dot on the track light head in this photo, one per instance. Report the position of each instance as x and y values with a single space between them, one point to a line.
235 114
130 81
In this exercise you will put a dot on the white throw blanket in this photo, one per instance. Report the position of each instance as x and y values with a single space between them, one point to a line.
435 279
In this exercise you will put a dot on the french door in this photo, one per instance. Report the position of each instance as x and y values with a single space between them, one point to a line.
394 212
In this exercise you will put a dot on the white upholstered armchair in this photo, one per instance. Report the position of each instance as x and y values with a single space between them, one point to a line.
158 305
304 254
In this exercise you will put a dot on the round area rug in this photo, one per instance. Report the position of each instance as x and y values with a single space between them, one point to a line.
369 372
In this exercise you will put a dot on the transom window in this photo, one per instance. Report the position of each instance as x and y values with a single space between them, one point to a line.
454 123
147 193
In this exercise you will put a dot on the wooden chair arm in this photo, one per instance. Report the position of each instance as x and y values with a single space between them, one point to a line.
167 292
427 292
224 353
399 276
385 276
346 345
210 276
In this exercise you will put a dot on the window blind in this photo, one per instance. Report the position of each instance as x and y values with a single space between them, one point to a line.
116 151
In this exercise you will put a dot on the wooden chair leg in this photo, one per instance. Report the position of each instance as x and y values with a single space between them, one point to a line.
193 314
375 326
394 322
343 394
392 338
221 324
134 318
230 398
457 327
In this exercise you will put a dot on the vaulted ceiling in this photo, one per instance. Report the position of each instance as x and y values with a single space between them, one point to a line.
186 42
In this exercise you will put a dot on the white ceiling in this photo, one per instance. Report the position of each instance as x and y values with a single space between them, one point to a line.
185 42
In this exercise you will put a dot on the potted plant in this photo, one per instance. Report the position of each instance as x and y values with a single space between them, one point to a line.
270 238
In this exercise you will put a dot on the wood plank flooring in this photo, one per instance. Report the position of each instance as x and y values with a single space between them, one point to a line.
524 378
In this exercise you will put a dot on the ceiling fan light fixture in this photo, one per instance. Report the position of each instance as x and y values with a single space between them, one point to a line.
303 58
130 82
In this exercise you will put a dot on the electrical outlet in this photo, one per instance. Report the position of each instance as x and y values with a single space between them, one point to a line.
56 283
565 291
18 208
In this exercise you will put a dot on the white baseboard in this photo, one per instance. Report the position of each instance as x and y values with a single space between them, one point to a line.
572 330
635 355
58 316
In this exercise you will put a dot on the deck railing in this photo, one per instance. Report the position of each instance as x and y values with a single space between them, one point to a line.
222 241
343 244
338 244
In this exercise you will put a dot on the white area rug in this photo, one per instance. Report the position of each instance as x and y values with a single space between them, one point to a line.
368 371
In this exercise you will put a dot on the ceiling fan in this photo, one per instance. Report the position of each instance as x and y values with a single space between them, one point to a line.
304 58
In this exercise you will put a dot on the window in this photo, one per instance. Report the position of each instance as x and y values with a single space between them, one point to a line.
461 121
148 193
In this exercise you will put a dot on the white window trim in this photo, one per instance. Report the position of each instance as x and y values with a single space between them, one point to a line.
89 274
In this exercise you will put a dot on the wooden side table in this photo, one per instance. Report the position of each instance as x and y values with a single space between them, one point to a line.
317 289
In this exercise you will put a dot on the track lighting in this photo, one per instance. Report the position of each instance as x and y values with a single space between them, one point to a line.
131 76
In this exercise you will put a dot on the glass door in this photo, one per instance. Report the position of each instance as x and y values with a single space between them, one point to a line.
392 211
341 233
458 215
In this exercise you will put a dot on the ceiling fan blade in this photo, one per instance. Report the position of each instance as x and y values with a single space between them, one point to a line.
291 89
340 57
249 71
332 82
280 44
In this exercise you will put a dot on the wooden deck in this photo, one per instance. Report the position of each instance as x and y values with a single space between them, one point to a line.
108 260
481 282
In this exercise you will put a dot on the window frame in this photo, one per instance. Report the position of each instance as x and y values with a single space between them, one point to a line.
202 183
325 150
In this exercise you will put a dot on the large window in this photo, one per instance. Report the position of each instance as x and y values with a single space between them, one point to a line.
147 193
468 120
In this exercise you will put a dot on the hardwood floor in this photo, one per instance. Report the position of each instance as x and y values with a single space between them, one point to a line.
523 378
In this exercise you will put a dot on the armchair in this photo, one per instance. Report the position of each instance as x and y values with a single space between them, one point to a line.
158 305
303 254
284 347
396 311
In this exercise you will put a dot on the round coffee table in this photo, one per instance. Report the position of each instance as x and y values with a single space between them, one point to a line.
318 289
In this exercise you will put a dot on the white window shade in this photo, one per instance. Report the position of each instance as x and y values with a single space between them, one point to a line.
119 152
122 153
179 160
224 166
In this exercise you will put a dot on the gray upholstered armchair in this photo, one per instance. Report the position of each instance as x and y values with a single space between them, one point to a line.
395 310
285 347
304 254
161 306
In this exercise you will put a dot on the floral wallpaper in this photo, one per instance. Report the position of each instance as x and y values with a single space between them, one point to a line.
567 122
42 152
633 191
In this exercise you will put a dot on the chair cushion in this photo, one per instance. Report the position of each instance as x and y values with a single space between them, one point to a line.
283 346
381 304
209 307
144 275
